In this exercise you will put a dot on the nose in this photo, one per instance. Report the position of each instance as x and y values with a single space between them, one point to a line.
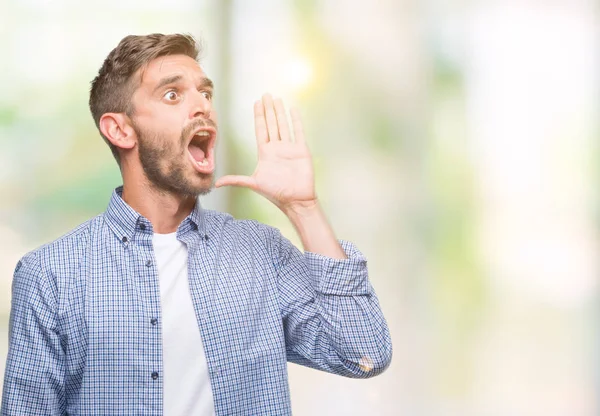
201 106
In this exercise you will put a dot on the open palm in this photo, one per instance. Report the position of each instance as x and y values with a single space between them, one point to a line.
284 173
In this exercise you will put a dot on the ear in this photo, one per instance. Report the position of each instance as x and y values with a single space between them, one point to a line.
116 127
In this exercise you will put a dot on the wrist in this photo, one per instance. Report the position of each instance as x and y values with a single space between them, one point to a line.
301 209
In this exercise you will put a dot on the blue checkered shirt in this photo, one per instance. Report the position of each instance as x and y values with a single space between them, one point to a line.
85 333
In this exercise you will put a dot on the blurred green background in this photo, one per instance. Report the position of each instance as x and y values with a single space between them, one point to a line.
454 143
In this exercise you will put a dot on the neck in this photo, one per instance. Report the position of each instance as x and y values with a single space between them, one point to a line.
164 210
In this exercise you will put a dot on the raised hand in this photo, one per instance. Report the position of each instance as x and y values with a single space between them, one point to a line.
284 173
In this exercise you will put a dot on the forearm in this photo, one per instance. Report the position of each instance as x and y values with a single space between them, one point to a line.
343 335
332 317
314 230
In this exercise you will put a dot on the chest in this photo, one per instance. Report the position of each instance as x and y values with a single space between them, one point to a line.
233 295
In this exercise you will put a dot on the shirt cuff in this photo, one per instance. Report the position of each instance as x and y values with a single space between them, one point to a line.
342 277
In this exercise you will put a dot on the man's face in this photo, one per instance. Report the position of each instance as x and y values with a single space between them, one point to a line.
176 125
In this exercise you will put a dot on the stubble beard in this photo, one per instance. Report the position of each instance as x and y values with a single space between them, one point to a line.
166 168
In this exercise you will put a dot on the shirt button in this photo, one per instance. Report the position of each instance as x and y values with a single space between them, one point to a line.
149 263
142 227
124 239
153 321
154 375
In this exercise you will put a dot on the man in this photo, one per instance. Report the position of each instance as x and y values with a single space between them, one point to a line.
158 305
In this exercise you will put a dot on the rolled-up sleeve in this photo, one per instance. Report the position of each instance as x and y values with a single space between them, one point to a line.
33 379
331 315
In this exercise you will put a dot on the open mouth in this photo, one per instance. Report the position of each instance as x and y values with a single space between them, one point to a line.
201 150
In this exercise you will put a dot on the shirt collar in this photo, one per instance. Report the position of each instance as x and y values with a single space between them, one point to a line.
125 222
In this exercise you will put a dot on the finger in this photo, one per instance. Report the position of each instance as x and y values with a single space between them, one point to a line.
270 117
282 122
260 124
297 125
236 180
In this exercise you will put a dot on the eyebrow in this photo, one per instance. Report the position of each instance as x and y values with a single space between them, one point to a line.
207 83
204 82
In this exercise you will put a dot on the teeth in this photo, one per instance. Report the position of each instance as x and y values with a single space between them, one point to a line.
203 133
203 163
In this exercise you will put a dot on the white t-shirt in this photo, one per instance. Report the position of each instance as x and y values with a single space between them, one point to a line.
186 380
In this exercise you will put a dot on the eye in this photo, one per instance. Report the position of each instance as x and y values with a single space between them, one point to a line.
171 96
206 94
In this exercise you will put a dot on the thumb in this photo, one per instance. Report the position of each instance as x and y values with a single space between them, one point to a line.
236 180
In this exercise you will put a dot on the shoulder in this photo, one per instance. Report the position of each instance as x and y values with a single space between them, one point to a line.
224 223
63 247
242 232
44 262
